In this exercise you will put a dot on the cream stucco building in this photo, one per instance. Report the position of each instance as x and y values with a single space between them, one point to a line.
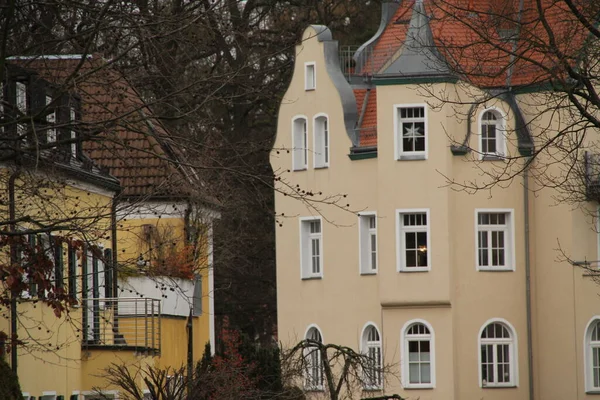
467 294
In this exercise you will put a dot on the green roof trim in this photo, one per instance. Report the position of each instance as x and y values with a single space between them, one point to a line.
383 81
363 156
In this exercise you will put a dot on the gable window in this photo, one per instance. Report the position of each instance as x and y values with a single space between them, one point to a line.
310 76
311 248
321 132
300 142
411 133
371 347
495 240
418 361
312 355
592 356
492 134
367 225
413 240
497 355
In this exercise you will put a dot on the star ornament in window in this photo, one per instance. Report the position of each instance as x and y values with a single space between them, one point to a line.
412 132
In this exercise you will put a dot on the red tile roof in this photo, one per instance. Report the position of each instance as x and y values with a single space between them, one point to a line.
134 147
368 126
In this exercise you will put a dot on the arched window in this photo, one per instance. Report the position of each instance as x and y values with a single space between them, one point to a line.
418 358
321 142
300 144
497 355
492 133
312 357
371 347
592 356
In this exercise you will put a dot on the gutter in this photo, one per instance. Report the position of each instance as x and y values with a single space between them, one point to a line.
528 278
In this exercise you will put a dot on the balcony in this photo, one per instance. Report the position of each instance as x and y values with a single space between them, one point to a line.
360 65
122 324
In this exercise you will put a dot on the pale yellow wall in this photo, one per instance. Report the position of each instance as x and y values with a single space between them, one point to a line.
343 301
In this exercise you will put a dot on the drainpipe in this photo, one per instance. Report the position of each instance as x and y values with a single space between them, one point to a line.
13 260
528 278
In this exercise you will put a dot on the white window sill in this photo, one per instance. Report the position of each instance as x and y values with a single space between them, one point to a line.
411 157
593 391
507 386
368 272
312 277
321 166
299 169
414 269
417 387
310 89
492 157
495 269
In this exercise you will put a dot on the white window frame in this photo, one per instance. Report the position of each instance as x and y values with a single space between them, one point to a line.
399 153
51 121
305 248
509 256
315 388
500 134
308 85
72 119
50 395
21 97
321 141
513 353
400 239
365 346
404 360
588 358
365 250
299 154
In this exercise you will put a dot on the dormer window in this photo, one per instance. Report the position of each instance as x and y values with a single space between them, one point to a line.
310 76
491 142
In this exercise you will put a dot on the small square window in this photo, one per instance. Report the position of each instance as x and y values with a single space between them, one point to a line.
411 133
310 76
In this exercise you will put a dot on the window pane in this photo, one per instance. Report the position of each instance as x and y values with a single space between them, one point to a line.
426 373
411 258
411 240
413 370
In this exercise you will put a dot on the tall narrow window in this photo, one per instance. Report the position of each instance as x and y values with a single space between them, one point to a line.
72 260
311 246
73 119
300 140
21 102
418 360
414 243
371 346
592 356
367 225
497 355
310 76
312 355
411 133
50 121
492 134
321 142
494 240
58 263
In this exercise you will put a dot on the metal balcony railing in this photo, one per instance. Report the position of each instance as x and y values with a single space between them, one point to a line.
125 323
366 63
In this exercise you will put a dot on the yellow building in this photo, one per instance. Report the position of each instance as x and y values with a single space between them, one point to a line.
464 294
108 191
